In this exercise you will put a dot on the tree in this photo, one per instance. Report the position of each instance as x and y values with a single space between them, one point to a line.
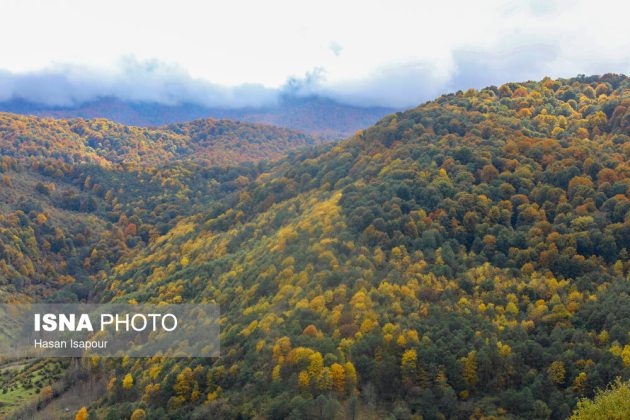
557 372
470 368
138 414
610 403
580 383
82 414
408 365
47 393
276 373
42 219
184 384
127 382
131 230
489 173
351 376
352 408
324 381
338 376
304 381
316 364
625 355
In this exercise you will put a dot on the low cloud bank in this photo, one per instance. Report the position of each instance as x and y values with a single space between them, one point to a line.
147 81
399 85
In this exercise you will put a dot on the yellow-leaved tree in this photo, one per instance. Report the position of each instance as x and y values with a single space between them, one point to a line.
351 376
304 381
611 403
138 414
338 376
82 414
408 365
127 382
470 368
557 372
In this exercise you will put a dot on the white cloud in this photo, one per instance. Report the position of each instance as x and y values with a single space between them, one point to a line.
396 52
133 80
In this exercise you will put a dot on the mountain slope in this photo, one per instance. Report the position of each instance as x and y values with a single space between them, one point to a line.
75 195
216 142
465 258
317 116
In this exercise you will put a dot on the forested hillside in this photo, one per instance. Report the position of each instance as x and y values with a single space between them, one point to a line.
466 258
59 224
102 142
77 195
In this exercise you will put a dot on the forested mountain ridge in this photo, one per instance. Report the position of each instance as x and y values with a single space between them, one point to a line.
316 116
465 258
102 142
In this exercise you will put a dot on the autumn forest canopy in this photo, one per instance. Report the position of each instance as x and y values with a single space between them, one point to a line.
467 258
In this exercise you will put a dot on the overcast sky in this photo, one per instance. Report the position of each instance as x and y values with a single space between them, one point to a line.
243 52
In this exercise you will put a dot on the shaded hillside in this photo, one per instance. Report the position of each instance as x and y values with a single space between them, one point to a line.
465 258
317 116
216 142
63 226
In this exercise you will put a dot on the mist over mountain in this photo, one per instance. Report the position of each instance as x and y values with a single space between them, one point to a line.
153 92
314 115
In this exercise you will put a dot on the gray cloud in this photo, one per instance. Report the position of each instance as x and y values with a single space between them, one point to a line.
139 81
399 85
516 59
407 84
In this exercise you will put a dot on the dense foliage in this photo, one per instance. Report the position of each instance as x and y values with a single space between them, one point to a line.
610 403
466 258
214 142
77 195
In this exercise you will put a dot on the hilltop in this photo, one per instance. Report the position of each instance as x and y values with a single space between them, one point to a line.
100 141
